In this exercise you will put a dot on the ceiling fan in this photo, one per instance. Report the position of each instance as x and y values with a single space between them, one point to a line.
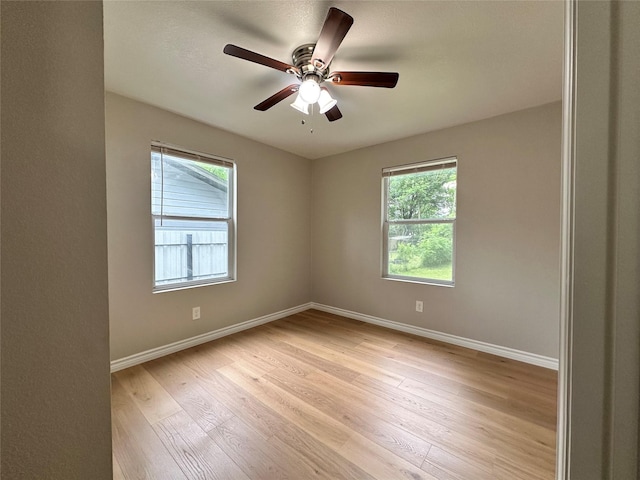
310 64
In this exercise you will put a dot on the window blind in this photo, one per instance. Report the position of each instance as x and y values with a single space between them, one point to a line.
420 167
165 149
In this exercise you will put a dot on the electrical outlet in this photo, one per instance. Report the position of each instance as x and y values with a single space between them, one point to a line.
418 306
195 313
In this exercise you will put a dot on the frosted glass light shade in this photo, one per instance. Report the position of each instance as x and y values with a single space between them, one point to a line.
326 102
310 91
300 105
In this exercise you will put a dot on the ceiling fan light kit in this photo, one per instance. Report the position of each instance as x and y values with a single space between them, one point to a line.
301 105
310 64
310 89
326 102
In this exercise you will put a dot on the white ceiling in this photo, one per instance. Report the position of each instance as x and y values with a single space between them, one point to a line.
459 61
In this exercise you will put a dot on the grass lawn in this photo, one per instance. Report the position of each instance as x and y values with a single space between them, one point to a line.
443 272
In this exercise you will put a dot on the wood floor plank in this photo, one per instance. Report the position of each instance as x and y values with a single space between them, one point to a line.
503 379
117 469
310 359
330 462
377 462
350 362
458 467
528 410
269 460
151 398
199 457
319 396
254 342
486 417
408 342
437 472
444 382
548 375
204 408
244 406
298 412
301 325
136 447
246 449
348 328
426 425
230 347
317 435
359 419
207 354
513 469
486 371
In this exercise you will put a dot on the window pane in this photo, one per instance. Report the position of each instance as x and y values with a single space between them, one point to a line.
190 251
425 195
421 251
190 189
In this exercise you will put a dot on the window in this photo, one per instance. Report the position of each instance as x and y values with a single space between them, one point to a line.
419 221
193 210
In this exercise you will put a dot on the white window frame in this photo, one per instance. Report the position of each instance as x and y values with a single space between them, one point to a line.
387 173
230 220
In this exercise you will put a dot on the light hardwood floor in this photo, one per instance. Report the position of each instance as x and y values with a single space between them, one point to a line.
318 396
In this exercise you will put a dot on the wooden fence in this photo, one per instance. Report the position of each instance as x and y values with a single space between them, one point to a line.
185 255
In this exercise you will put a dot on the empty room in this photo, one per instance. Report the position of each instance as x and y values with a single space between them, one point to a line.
333 240
394 271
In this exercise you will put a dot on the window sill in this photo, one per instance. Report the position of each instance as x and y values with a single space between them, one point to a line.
435 283
190 286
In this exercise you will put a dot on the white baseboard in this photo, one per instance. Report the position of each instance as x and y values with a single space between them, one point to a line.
511 353
505 352
158 352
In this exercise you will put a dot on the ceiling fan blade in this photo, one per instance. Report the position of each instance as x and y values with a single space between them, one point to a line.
277 97
335 27
254 57
334 114
365 79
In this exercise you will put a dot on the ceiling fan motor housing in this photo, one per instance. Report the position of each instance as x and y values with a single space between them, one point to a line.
303 60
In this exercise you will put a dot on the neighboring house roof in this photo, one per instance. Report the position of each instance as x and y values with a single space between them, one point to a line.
198 173
185 190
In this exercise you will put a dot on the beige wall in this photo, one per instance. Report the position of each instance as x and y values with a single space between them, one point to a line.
55 323
274 237
507 232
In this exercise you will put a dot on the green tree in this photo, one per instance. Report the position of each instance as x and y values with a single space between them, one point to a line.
422 195
220 172
429 195
436 244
